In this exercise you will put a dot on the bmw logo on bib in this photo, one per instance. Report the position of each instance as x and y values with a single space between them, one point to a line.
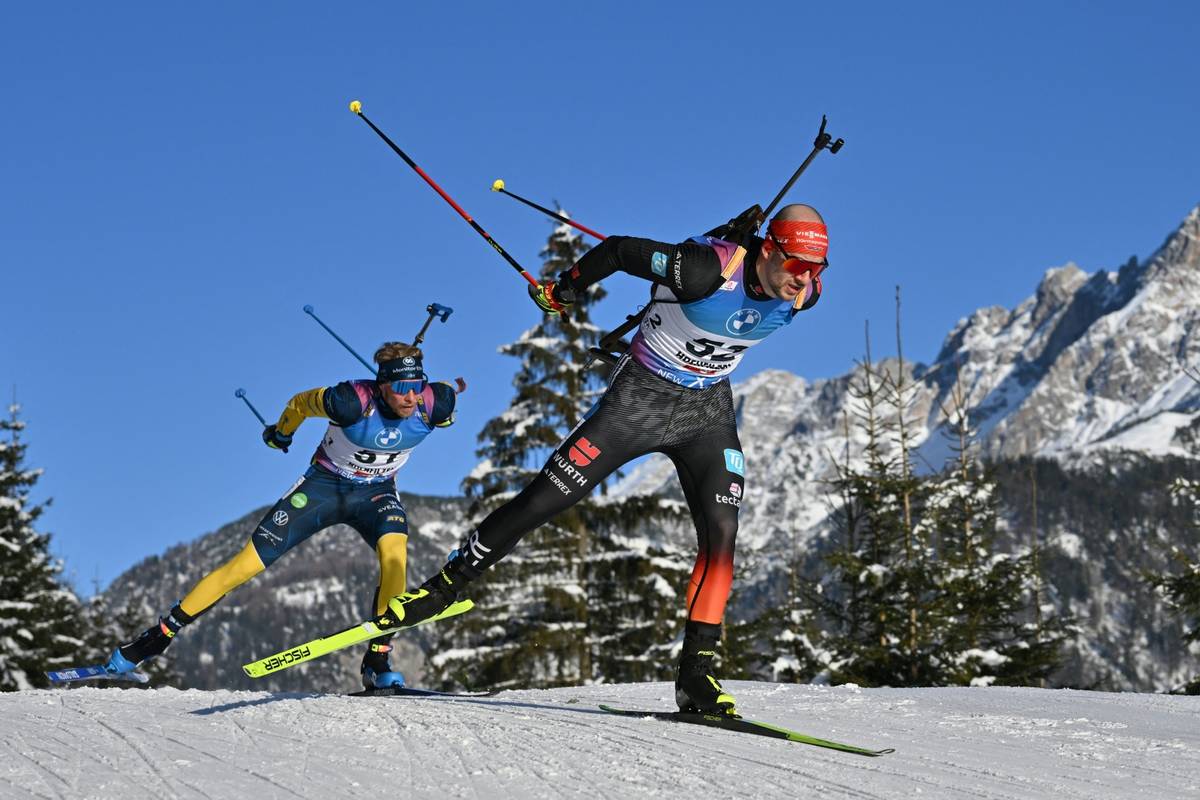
742 321
387 437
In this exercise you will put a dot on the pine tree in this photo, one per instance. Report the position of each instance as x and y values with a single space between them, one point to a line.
883 569
781 644
1180 590
39 614
987 612
564 607
918 594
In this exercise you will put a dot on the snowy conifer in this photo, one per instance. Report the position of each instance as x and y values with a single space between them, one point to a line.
544 609
1181 589
881 570
983 610
920 594
39 614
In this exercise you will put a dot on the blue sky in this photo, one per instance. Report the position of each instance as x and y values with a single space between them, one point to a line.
180 180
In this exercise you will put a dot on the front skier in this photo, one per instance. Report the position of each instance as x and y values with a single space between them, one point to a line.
373 427
712 300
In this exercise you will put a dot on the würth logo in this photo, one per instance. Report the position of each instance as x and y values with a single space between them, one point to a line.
583 452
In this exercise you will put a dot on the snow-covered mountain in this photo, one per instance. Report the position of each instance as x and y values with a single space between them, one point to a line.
1088 371
1088 363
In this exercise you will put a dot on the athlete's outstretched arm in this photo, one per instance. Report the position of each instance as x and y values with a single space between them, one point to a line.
340 404
690 269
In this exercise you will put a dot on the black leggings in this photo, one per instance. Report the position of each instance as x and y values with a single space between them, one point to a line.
639 414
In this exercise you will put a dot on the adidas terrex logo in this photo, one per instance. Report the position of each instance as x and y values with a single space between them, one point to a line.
478 551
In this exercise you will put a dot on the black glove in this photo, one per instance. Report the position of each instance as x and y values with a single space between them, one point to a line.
275 439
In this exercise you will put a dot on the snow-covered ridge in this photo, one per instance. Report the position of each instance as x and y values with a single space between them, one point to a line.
1089 362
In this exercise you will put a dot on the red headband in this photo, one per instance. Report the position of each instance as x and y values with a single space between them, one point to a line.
801 237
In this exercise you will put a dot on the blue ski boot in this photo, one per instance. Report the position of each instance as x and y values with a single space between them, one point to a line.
377 673
151 642
119 664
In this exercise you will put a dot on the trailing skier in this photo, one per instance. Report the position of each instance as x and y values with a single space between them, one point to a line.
374 425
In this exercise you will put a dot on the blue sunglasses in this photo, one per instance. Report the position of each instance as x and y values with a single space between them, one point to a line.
404 387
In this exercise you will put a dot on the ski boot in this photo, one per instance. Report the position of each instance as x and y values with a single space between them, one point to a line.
376 672
151 642
696 688
432 598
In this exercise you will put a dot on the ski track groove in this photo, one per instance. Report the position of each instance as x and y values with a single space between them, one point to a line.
112 764
783 782
1019 787
498 721
683 745
1073 780
136 748
569 718
40 772
519 748
154 772
19 790
561 766
472 775
51 756
224 762
321 780
406 777
82 754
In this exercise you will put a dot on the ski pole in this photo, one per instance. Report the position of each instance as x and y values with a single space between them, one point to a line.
824 141
241 393
356 107
309 310
435 311
498 186
749 221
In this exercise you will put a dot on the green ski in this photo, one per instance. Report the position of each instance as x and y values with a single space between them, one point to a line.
746 726
327 644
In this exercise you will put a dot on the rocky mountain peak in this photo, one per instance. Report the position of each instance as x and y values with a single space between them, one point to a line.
1058 286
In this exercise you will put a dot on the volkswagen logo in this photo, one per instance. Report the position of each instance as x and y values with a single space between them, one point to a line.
387 437
742 321
280 518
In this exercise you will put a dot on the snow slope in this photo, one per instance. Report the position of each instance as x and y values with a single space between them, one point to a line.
950 743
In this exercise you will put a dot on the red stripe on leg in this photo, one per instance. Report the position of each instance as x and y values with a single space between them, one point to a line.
708 591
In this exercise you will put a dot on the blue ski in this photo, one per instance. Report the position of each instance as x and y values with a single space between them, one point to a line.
97 672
